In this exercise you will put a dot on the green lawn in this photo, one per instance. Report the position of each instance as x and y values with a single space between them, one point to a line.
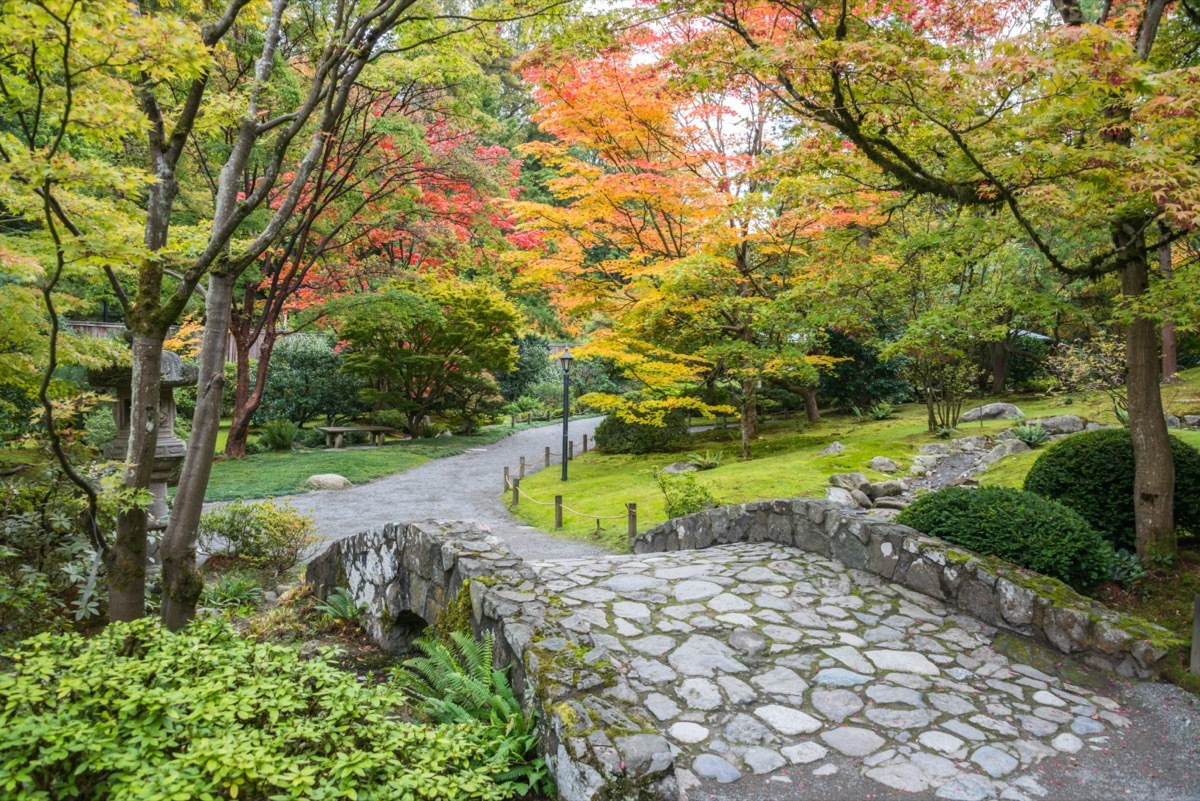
786 461
284 473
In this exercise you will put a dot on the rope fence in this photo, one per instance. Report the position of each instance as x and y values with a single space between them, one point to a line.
630 516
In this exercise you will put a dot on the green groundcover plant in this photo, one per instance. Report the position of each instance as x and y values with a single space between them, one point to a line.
139 712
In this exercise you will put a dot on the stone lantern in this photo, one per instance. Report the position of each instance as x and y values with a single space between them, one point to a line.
169 450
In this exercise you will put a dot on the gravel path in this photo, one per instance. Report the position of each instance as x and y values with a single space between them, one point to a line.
464 487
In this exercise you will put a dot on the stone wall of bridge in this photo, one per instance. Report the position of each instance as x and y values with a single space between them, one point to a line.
597 737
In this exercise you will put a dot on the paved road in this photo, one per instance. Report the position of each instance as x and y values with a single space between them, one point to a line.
465 487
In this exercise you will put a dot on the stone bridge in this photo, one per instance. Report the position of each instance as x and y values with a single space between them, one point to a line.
756 642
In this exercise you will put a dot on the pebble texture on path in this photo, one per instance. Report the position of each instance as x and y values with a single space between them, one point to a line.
756 657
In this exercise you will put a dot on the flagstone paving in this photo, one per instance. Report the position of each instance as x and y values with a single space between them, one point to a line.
759 658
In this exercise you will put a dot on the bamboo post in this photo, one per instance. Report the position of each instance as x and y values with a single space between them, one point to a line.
585 443
632 522
570 451
558 511
506 481
516 491
521 468
547 456
1195 665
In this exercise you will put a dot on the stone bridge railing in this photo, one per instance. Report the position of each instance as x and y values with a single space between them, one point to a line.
992 590
597 738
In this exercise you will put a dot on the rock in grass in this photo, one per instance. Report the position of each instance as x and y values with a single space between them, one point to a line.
992 411
832 449
328 481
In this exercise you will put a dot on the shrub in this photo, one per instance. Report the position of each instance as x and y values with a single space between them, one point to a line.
266 533
340 607
1032 434
279 435
100 427
312 438
141 712
1021 527
1092 472
306 381
615 435
684 495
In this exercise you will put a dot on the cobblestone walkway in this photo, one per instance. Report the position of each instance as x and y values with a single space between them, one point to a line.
756 658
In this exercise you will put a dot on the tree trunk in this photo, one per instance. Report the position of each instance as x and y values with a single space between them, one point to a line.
181 580
999 354
810 405
1170 360
126 560
1154 476
749 422
247 400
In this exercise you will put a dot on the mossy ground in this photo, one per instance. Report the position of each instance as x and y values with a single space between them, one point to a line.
786 461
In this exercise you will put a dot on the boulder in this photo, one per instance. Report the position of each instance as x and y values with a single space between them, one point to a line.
675 468
850 481
1005 448
885 489
833 449
1191 420
861 498
891 503
1061 424
328 481
969 444
1172 420
840 496
992 411
882 464
935 449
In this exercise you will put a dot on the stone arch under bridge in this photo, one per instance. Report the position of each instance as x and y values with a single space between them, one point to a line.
611 649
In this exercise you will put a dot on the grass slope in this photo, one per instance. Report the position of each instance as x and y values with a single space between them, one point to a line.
787 462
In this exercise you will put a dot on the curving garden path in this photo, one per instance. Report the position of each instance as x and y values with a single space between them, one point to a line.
464 487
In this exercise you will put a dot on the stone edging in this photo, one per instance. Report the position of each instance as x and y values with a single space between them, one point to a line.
992 590
598 740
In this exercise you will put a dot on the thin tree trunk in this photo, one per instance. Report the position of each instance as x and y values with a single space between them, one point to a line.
1170 359
126 560
248 400
1154 477
749 421
181 580
1000 359
810 405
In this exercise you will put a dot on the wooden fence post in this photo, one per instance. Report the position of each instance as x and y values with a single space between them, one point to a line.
516 491
558 511
521 468
512 420
632 522
547 456
1195 666
506 481
585 443
570 451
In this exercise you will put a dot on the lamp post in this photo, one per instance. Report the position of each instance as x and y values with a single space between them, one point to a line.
565 360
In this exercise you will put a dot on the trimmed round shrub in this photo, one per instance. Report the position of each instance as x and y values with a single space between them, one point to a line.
615 435
1020 527
1092 473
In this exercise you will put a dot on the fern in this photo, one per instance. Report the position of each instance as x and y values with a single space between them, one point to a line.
455 683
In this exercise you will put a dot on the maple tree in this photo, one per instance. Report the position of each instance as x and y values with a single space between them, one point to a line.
672 228
1071 127
400 187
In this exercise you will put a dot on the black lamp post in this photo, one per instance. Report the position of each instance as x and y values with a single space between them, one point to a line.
565 360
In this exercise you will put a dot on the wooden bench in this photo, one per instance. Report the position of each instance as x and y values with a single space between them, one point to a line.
333 434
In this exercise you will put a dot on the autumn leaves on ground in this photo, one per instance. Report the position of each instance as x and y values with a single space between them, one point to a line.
394 214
